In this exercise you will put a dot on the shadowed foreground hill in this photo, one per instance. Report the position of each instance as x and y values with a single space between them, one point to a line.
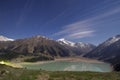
108 51
9 73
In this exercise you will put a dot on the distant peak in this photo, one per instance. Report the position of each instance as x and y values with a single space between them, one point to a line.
3 38
63 41
73 44
112 40
117 36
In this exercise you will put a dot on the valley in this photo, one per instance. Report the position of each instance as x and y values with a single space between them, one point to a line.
39 50
59 39
53 58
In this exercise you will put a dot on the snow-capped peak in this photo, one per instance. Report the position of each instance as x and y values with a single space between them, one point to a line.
72 44
112 40
66 42
2 38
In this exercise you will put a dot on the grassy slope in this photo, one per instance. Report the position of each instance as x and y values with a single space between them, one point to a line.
9 73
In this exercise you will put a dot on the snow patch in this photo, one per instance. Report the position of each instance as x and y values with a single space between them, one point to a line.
62 41
65 42
2 38
112 40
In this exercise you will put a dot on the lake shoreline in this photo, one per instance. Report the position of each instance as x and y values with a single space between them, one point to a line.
69 59
78 59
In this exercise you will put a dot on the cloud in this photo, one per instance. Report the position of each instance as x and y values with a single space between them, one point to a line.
76 30
85 28
80 34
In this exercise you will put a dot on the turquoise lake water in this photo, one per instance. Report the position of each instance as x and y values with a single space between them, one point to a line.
70 66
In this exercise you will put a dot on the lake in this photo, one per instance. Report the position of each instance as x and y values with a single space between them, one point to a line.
69 66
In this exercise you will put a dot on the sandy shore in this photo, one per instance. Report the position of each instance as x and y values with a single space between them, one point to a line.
70 59
78 59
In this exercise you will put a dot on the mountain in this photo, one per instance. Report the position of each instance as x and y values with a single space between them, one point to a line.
108 51
35 46
3 38
80 48
62 41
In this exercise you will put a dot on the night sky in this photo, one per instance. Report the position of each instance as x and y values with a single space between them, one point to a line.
91 21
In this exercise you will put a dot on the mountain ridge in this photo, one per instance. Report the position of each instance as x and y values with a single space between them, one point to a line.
108 51
38 45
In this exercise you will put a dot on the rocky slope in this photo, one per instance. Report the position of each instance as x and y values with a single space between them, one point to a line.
34 46
108 51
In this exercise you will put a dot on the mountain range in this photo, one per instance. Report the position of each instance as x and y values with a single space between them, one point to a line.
38 46
80 48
